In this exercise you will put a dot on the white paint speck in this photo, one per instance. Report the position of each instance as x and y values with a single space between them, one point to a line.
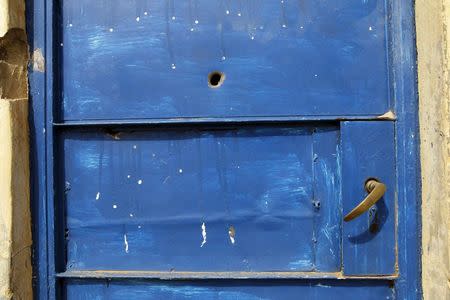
61 44
203 234
111 29
315 75
114 206
138 19
370 28
284 25
139 226
97 196
125 241
153 155
223 58
70 25
227 12
239 14
252 37
128 176
145 13
173 17
173 66
196 21
192 29
301 27
134 147
180 171
131 215
139 181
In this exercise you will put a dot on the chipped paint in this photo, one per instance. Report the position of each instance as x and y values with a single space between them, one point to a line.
38 61
203 234
125 241
387 116
232 234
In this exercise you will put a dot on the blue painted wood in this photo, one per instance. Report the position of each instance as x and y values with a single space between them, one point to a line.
166 200
369 242
151 59
247 290
36 32
327 199
408 286
402 88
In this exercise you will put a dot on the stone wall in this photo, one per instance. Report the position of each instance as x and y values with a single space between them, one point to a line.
15 220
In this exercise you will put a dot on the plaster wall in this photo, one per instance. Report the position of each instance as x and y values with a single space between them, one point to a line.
433 49
15 220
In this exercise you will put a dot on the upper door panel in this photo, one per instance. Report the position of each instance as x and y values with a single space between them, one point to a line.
135 59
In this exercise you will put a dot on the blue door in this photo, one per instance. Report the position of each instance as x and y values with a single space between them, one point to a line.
222 150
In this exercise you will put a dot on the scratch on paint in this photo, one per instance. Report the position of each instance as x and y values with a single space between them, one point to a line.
203 234
232 234
323 286
125 241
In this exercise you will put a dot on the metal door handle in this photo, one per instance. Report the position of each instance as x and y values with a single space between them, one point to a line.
376 190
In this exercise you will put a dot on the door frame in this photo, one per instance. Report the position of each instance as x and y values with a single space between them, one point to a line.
403 84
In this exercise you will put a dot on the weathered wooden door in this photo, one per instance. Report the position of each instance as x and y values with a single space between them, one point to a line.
211 149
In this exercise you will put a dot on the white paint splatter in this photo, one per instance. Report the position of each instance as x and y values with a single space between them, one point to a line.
173 17
128 176
180 171
114 206
370 28
139 181
125 241
196 21
97 196
111 29
173 66
138 19
145 13
131 215
203 234
70 25
239 14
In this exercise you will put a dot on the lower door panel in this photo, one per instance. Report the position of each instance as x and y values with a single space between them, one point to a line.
246 290
252 199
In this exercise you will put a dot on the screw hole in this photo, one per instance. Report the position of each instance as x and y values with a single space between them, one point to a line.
215 79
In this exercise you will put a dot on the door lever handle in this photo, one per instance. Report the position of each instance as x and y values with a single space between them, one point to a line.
376 190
